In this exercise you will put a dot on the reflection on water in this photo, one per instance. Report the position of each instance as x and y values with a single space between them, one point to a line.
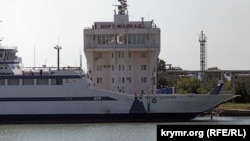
100 131
223 120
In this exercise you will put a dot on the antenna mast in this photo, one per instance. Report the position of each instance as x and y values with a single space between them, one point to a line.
203 54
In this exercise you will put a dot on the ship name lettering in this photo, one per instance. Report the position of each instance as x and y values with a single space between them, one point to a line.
107 26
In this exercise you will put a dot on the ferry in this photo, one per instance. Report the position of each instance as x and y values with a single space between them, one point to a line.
119 85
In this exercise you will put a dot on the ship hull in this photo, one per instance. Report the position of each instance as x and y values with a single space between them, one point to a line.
76 102
96 118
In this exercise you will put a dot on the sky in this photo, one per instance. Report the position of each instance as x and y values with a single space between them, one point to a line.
37 26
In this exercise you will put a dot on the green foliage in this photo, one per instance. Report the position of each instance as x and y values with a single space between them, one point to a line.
240 89
228 85
189 85
163 80
186 84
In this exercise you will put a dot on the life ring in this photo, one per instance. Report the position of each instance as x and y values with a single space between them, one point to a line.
154 100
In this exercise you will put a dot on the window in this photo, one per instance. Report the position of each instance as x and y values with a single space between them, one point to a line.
99 80
56 81
143 67
121 39
112 39
113 67
144 80
98 55
141 39
42 82
123 67
123 80
103 39
136 39
28 81
99 67
130 39
106 39
113 80
130 67
143 54
13 81
129 79
99 39
2 82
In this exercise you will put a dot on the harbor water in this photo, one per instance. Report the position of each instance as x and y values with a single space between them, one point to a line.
101 131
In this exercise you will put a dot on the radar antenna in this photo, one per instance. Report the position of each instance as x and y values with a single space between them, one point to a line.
122 7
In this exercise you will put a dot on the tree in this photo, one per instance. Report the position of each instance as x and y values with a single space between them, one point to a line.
188 85
240 89
163 79
161 74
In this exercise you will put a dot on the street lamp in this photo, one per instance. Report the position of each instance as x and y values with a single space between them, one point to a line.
58 55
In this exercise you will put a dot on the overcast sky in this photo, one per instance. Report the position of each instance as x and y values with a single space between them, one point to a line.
38 24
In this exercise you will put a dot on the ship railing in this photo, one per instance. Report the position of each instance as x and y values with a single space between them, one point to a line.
48 70
9 47
9 60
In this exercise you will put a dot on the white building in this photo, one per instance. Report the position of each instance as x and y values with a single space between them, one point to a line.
122 55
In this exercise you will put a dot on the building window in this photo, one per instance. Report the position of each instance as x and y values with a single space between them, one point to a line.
106 39
143 54
98 55
123 68
121 39
129 54
123 80
99 39
144 80
103 38
99 67
141 39
130 67
119 67
113 80
99 81
113 67
143 67
129 79
136 38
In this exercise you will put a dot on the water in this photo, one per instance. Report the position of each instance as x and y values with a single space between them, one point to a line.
100 131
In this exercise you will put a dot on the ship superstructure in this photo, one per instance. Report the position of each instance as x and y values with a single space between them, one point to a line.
10 64
121 55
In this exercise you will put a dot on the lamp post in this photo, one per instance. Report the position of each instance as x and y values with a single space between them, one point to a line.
58 55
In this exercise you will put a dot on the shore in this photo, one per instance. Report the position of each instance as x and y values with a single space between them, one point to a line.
232 109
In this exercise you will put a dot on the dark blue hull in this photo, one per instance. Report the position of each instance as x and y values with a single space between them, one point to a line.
96 118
